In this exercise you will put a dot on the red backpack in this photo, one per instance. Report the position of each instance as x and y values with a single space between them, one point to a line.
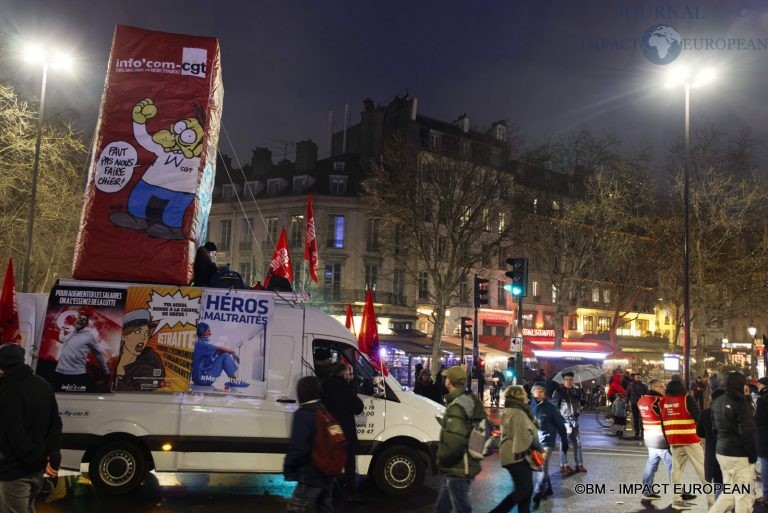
329 449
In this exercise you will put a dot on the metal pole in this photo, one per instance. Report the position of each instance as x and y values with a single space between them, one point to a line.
519 336
686 255
33 191
475 337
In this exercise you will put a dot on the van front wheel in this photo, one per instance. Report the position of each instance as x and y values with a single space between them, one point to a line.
117 468
398 470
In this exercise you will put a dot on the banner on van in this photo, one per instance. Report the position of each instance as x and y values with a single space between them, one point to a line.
230 350
158 339
81 338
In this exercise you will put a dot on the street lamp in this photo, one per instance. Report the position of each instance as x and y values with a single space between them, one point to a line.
39 55
752 355
689 80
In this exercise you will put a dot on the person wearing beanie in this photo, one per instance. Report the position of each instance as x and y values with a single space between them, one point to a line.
30 432
462 412
735 452
551 423
71 370
210 360
314 489
205 267
342 401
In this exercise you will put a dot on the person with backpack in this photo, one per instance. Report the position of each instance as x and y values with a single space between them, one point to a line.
314 488
30 432
519 435
462 413
342 401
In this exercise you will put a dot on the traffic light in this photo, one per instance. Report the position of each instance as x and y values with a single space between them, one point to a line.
519 276
481 291
466 327
510 372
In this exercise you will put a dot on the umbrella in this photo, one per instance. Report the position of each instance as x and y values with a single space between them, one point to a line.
580 373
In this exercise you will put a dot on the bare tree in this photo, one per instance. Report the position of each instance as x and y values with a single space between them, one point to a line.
444 209
59 193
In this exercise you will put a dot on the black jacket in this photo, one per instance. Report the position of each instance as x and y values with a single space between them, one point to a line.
706 430
568 402
761 424
298 458
429 390
732 419
677 388
30 425
342 401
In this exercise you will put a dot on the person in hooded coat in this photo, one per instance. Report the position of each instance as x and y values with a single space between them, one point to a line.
706 430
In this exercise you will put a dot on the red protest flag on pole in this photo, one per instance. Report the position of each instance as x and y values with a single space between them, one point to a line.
281 261
368 339
9 311
310 242
350 323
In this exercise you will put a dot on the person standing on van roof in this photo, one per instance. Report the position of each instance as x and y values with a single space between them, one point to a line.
210 360
453 460
30 432
71 368
341 399
205 264
313 488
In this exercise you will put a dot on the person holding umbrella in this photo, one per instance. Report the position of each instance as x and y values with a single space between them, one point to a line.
569 401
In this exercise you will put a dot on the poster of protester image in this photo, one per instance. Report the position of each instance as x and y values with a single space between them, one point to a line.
157 339
229 355
81 338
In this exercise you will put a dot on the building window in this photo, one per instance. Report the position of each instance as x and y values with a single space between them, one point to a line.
297 231
595 295
372 236
642 326
501 294
502 222
228 192
398 288
603 324
332 282
337 184
495 157
398 248
466 149
245 272
338 166
606 296
589 324
251 189
225 234
435 140
299 183
423 285
336 231
442 245
371 276
554 294
273 229
463 293
535 291
573 322
246 233
273 186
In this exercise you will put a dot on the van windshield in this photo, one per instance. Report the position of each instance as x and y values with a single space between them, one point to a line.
359 367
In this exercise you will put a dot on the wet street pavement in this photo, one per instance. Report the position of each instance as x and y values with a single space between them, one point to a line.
612 463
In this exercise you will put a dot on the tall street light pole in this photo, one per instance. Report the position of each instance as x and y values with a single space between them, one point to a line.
689 81
33 190
35 54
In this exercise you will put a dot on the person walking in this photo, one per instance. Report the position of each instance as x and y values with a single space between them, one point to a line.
30 432
463 410
705 430
699 388
679 414
314 489
619 413
568 401
551 423
761 438
635 391
649 407
341 399
424 386
519 435
736 452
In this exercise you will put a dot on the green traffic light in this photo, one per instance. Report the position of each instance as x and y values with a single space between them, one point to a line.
515 290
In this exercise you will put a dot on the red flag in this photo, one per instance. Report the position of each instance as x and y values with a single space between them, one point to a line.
310 242
368 339
9 312
281 261
349 323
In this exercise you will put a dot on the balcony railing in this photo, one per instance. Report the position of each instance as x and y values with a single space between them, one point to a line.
358 296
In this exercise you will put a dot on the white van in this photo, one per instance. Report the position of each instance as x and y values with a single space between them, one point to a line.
117 438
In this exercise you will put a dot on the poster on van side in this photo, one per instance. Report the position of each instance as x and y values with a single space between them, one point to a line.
152 167
158 337
230 349
81 338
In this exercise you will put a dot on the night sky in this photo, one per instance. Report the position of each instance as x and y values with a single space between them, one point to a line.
548 66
